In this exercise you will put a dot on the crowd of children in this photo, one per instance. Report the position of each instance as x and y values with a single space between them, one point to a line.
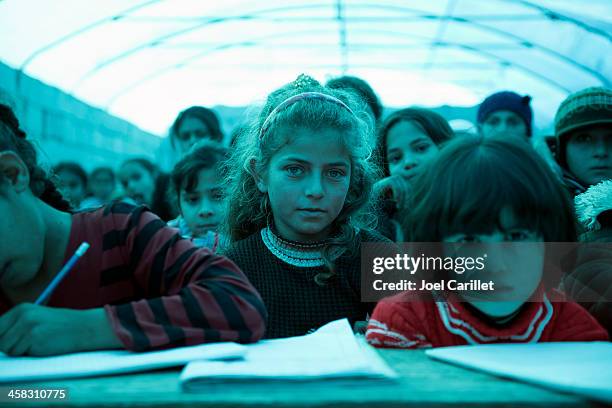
263 239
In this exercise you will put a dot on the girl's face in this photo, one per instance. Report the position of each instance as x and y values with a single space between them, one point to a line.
72 187
137 182
409 149
514 262
307 181
589 154
190 131
504 122
202 207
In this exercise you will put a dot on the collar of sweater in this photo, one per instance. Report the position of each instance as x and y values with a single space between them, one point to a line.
526 326
304 255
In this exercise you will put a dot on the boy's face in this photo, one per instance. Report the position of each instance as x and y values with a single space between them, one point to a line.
589 154
514 262
202 207
504 122
307 182
409 149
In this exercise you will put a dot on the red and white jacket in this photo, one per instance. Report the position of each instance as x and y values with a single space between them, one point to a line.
398 322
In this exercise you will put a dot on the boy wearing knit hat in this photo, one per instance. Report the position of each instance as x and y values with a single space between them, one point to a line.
583 128
505 112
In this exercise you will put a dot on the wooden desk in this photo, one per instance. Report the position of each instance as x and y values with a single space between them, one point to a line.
423 383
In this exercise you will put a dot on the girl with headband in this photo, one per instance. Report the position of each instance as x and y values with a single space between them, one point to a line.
299 190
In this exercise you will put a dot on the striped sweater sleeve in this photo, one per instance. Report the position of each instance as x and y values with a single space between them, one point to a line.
184 295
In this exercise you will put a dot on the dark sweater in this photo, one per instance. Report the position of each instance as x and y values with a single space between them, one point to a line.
295 302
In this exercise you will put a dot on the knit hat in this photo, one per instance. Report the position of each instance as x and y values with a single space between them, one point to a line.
590 106
507 100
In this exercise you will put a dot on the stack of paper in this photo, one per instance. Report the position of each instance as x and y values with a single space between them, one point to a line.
332 352
19 369
577 367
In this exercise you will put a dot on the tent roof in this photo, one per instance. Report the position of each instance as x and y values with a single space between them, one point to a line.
147 60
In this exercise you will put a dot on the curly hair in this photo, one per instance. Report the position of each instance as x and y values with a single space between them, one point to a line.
248 209
13 138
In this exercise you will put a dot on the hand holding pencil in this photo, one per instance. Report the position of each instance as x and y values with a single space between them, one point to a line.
33 329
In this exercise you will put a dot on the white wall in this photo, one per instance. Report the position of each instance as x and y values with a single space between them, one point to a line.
66 128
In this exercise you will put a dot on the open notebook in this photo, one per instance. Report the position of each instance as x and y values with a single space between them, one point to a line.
583 368
21 369
330 353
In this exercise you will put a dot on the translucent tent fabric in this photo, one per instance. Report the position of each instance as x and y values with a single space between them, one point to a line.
147 60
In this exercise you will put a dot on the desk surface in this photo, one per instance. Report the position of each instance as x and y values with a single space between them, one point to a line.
423 383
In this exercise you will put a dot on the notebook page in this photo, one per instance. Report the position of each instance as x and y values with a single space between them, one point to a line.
19 369
584 368
330 352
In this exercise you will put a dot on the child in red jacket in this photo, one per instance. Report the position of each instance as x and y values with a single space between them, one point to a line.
490 192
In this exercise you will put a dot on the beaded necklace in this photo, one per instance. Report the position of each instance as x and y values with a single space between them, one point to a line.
304 255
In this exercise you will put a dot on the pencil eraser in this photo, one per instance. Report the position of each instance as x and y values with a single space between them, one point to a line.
82 249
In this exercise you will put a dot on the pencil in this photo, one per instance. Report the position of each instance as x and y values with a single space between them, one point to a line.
62 274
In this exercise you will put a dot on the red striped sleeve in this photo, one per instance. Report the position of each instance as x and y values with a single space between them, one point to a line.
189 294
